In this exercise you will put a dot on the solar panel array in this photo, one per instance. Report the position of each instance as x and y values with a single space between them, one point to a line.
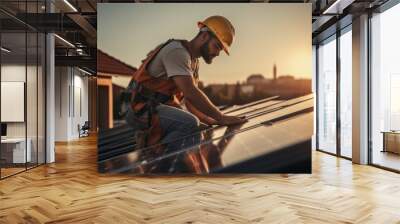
276 131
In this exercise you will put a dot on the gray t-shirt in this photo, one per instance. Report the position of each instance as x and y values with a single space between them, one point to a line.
173 59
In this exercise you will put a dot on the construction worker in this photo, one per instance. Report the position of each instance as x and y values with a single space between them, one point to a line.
167 80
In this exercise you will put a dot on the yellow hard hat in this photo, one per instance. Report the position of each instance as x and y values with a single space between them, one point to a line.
221 28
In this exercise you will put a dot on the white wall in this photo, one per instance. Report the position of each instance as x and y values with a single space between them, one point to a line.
12 73
61 103
33 127
81 104
71 94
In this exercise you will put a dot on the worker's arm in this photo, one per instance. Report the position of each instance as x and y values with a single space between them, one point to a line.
201 102
196 97
202 117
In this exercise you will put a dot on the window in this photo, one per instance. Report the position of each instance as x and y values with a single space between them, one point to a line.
327 95
346 92
385 86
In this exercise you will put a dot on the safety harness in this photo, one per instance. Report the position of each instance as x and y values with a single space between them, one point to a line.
148 92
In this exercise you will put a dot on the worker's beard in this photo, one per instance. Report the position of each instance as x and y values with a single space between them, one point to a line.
205 52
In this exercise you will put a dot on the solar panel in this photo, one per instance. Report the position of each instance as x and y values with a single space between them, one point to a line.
115 142
273 126
271 111
120 140
249 105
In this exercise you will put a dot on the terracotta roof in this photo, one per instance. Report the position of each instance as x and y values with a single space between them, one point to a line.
108 64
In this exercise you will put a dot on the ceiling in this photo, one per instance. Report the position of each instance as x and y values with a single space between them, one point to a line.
76 21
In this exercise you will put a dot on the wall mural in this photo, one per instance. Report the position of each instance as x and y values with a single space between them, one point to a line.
204 88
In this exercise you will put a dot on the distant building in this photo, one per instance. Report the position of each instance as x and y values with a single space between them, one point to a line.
255 79
285 79
215 88
257 87
247 89
222 90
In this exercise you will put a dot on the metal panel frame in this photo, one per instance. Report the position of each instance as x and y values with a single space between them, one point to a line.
340 30
44 71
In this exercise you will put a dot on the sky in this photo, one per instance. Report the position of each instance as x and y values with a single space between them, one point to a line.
265 34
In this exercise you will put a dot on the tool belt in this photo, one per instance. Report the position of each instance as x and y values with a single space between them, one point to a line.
151 99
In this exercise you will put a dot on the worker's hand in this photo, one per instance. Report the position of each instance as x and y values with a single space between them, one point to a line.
211 122
231 120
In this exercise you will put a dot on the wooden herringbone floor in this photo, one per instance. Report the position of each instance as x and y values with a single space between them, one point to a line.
71 191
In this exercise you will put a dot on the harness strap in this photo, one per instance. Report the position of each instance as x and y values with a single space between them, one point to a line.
146 100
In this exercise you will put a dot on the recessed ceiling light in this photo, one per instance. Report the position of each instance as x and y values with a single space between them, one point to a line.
70 5
338 6
5 50
86 72
64 40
